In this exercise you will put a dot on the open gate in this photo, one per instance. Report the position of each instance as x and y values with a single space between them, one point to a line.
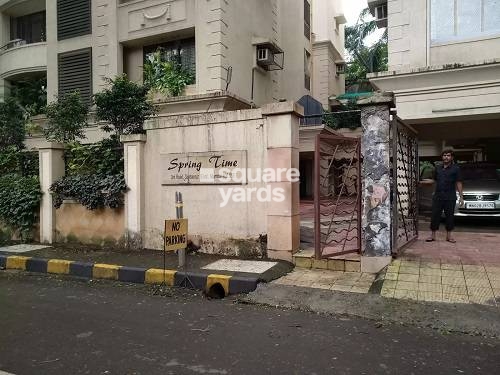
337 196
405 174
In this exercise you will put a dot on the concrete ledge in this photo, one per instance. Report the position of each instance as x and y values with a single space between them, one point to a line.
374 264
201 281
133 138
282 108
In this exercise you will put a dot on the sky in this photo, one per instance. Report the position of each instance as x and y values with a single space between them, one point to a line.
352 8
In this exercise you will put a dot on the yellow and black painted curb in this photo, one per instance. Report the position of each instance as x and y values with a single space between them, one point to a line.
206 282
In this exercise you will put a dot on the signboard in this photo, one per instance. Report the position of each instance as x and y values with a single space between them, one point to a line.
176 232
203 168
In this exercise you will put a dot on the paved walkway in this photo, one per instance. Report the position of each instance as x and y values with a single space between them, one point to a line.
355 282
442 282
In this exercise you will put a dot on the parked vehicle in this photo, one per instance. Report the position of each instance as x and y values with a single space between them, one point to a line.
481 185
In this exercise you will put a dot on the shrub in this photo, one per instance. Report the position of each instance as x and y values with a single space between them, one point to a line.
124 106
12 131
19 202
91 190
166 76
67 118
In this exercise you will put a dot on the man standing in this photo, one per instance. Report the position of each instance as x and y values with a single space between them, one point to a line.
448 180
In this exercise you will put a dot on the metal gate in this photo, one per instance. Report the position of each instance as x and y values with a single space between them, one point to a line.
404 184
337 196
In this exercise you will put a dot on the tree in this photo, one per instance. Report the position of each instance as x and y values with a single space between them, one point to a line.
364 58
12 121
124 105
67 118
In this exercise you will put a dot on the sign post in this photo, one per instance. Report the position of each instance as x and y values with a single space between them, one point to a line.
175 237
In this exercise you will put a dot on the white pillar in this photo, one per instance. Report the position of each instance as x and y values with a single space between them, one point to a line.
51 158
134 177
283 218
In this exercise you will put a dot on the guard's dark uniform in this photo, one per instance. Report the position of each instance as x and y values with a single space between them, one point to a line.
445 196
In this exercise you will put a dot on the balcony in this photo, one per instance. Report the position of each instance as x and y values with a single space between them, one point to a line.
23 58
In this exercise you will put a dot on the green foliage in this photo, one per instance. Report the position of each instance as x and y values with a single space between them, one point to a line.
364 58
166 75
94 175
19 201
24 163
91 190
124 105
348 116
31 95
104 157
67 118
12 130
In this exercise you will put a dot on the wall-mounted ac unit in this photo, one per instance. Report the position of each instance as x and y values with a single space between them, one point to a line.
269 56
340 67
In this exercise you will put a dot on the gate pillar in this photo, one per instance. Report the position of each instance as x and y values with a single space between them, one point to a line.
376 182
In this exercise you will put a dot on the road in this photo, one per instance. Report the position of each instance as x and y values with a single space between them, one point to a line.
54 325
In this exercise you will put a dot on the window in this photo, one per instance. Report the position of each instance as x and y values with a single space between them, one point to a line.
184 50
74 18
307 19
30 28
307 70
461 19
75 73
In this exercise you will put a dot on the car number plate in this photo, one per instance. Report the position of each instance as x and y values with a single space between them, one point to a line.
480 205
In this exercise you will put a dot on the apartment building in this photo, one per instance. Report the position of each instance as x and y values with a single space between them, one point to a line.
259 50
444 69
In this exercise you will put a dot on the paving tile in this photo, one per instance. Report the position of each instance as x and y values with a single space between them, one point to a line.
492 269
451 273
407 285
493 276
430 296
341 288
445 280
425 287
368 276
432 265
408 277
495 283
453 267
409 270
406 294
480 292
363 283
389 284
430 272
321 286
455 298
480 283
410 263
351 266
393 269
360 289
455 289
429 279
496 292
387 292
345 282
396 262
391 276
473 268
481 300
336 265
475 275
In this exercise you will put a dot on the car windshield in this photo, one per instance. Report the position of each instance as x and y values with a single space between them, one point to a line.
479 173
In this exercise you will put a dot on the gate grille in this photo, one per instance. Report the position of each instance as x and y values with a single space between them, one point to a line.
337 196
405 184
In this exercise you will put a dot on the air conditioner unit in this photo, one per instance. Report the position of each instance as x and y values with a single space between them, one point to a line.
265 56
269 56
340 67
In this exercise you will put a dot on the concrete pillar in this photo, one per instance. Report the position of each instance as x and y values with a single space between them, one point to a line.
376 182
134 177
51 158
283 218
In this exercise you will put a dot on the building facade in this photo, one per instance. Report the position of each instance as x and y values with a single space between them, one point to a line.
444 70
261 51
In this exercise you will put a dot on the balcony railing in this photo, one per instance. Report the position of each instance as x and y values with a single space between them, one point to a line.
12 44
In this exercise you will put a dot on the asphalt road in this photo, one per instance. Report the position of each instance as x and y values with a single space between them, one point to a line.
60 326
